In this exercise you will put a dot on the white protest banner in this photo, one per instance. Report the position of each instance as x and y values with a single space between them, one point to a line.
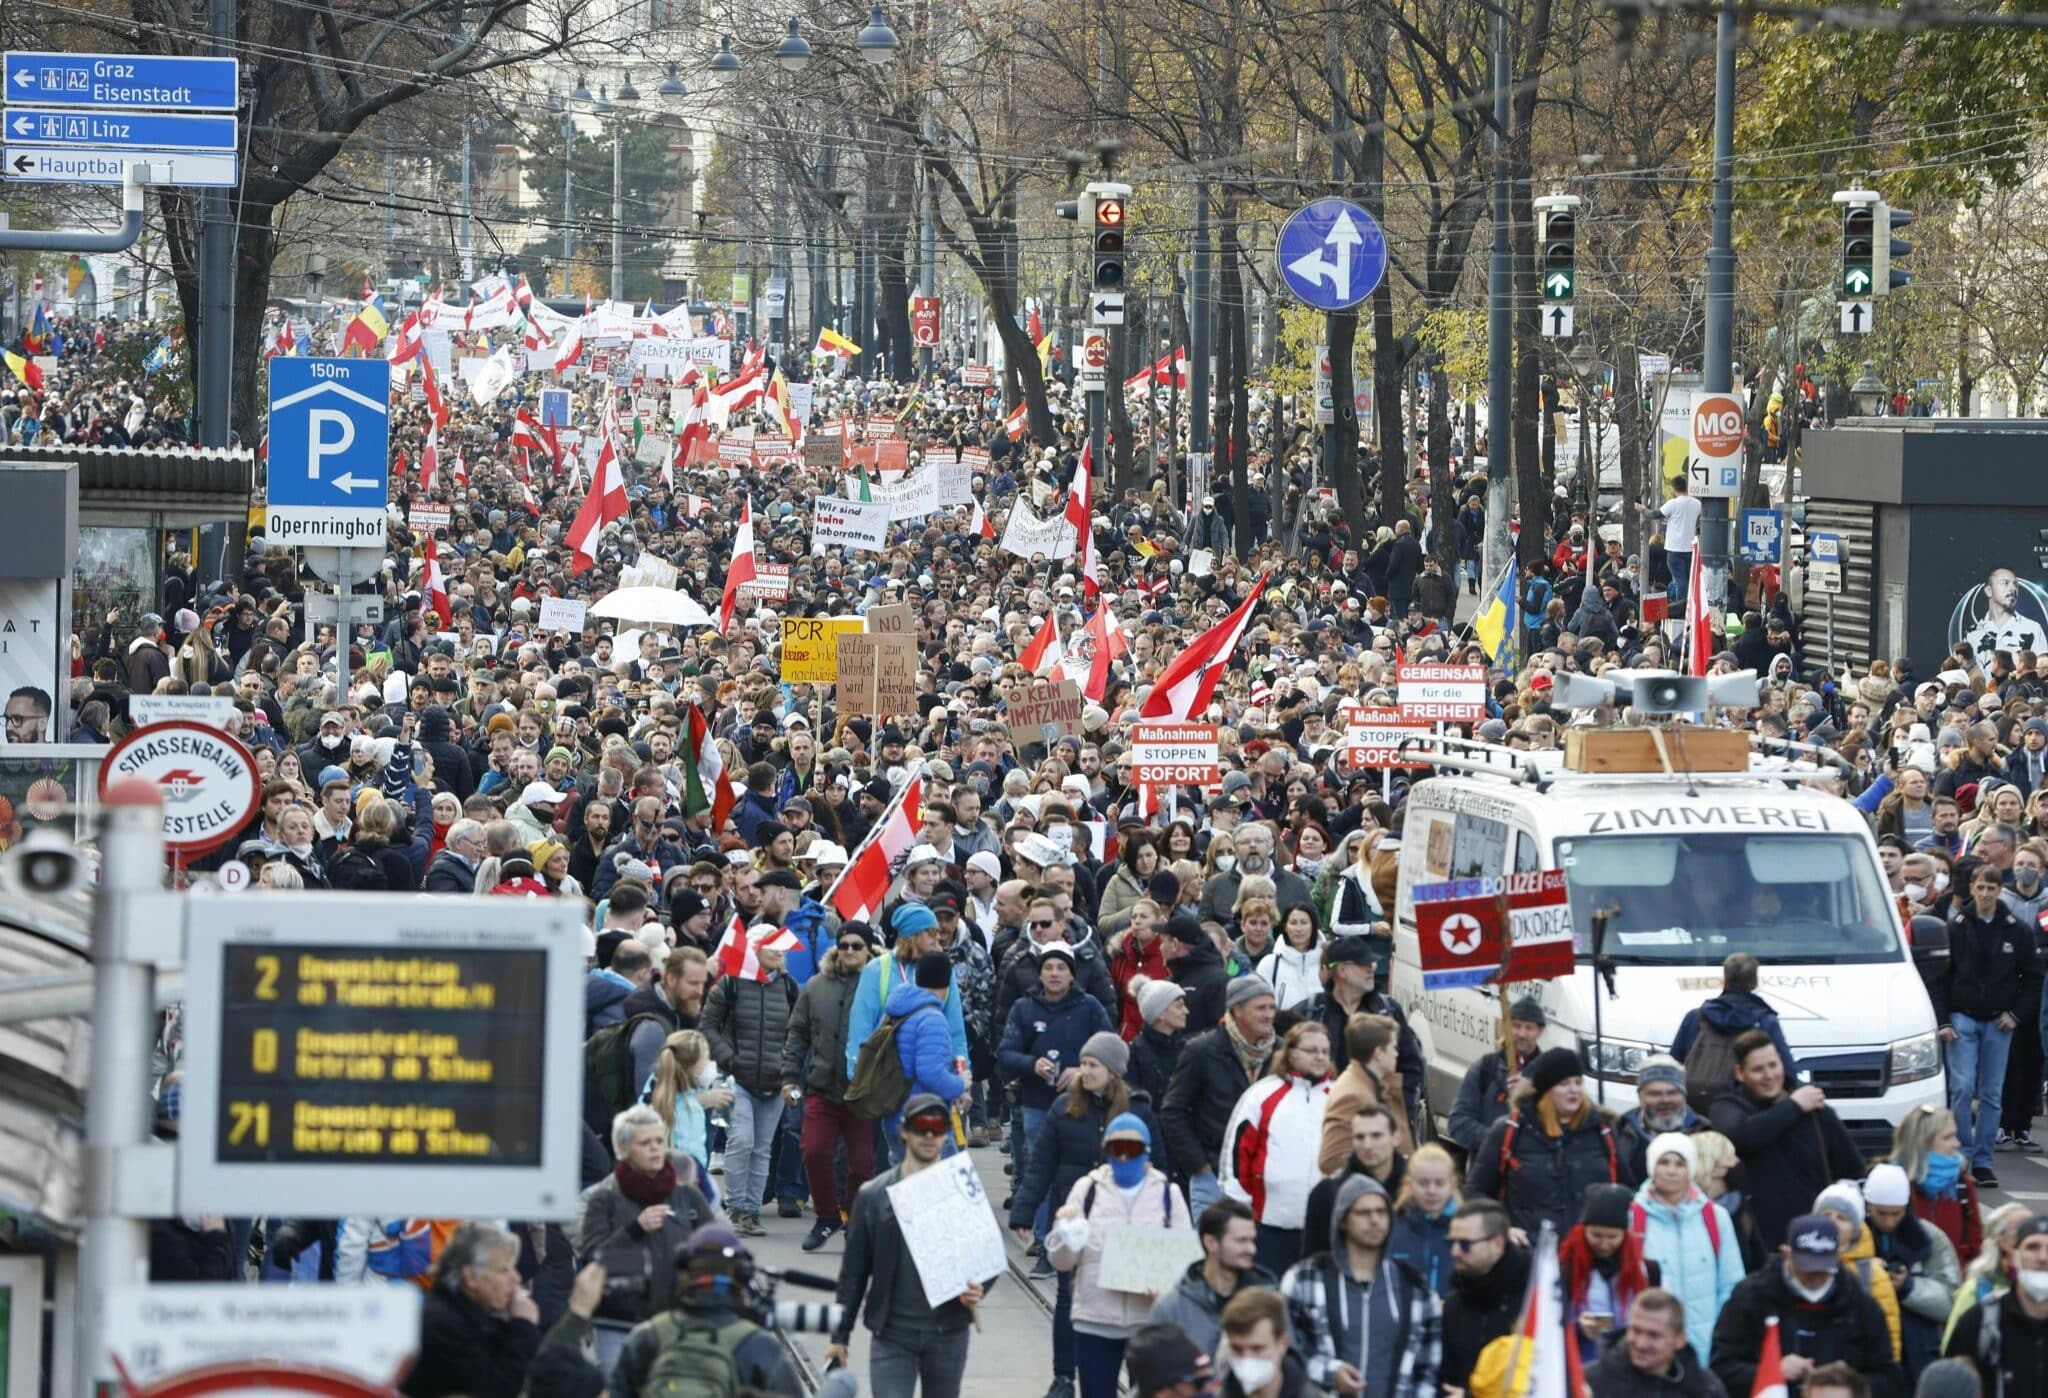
439 347
770 584
1140 1258
949 1227
736 451
1201 563
562 614
424 519
653 450
976 375
974 459
1441 693
954 481
496 376
662 358
800 395
656 572
913 497
853 524
470 367
1174 754
712 353
1028 536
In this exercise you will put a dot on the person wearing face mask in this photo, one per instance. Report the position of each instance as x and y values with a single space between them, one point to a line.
1125 1191
1252 856
1258 1353
1991 969
1365 1320
2007 1334
1918 1258
2026 898
1841 1203
1824 1316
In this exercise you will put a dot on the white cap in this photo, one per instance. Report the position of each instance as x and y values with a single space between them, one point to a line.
1040 851
543 793
824 852
986 862
921 854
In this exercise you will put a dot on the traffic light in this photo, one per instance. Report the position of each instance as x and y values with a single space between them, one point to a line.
1859 256
1108 224
1885 278
1081 209
1557 245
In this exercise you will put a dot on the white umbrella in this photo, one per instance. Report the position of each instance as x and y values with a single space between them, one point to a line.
656 605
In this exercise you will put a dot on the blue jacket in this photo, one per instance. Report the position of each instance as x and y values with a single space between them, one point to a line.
924 1045
1037 1028
753 808
1424 1243
808 923
1732 1012
1680 1243
1067 1148
868 1001
604 998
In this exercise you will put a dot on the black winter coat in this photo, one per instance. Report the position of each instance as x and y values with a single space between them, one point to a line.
1543 1179
1615 1377
468 1351
817 1028
1067 1148
1154 1056
1479 1310
1788 1158
178 1253
448 874
1202 974
452 772
1992 968
1845 1325
1200 1099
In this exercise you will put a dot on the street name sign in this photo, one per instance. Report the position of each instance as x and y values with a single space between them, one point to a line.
1331 254
330 450
77 165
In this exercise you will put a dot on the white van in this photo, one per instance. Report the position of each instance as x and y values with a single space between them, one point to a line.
1697 869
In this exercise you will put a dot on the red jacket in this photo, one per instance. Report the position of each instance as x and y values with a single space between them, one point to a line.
1957 1217
1133 960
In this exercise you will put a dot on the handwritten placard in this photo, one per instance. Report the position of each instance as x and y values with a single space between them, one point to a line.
562 614
1146 1260
949 1227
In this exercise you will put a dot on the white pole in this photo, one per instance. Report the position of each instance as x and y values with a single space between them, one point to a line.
114 1251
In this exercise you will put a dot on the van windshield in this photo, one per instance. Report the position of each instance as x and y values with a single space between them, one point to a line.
1690 900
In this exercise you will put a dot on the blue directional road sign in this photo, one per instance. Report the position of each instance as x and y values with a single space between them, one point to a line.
52 126
554 407
123 80
1332 254
330 451
1763 536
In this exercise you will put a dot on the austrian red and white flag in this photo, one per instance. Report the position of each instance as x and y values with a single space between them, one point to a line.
741 569
693 435
739 948
1770 1364
1699 636
430 460
1551 1346
571 347
407 344
461 472
1081 515
605 502
1045 652
1185 686
434 583
1014 424
1107 638
437 406
864 885
980 523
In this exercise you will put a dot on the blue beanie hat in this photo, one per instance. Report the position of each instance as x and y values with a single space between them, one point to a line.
1129 1125
913 918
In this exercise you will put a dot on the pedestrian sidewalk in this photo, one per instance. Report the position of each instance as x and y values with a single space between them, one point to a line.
1009 1357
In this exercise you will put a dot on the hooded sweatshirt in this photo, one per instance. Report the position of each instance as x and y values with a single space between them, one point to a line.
1388 1327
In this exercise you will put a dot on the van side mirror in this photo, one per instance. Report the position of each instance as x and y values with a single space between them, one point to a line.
1930 948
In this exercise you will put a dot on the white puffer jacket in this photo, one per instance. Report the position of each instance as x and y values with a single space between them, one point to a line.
1269 1148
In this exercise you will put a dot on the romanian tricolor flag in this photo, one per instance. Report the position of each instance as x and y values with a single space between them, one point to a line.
831 342
368 327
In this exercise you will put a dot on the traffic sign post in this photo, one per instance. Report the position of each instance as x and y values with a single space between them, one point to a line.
1106 308
1331 254
124 80
1763 536
1095 362
330 450
54 126
1825 557
1556 322
91 117
1715 464
1855 317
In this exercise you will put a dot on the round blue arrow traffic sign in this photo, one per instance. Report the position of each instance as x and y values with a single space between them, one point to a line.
1331 254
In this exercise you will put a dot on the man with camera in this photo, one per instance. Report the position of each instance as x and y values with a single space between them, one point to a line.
708 1332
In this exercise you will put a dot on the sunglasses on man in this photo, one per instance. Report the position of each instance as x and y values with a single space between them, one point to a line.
928 1124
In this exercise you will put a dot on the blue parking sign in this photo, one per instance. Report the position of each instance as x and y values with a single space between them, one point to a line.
330 451
1763 536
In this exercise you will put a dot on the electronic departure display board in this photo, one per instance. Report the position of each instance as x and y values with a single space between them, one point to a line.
382 1054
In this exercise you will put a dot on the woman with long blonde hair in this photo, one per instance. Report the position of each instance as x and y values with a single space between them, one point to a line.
684 1087
1429 1198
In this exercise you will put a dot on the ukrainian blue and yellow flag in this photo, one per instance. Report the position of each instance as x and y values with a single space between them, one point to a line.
1496 621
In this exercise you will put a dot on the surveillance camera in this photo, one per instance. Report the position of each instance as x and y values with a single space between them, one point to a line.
43 865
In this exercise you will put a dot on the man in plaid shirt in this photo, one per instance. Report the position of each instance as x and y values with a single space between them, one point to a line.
1366 1322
